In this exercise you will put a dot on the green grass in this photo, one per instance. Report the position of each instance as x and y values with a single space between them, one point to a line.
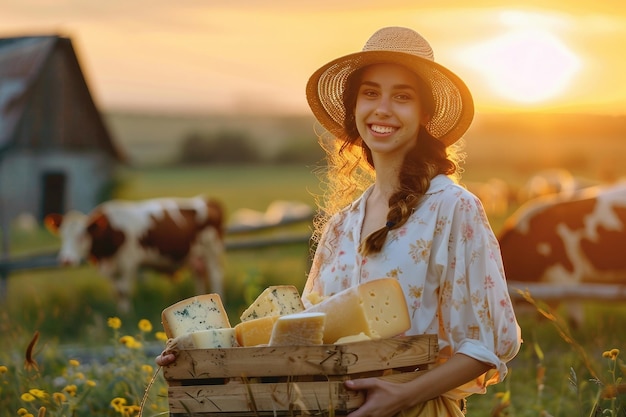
238 187
545 351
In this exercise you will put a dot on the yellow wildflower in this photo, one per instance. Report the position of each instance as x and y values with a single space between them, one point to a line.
145 326
114 322
161 336
130 410
610 354
38 393
28 397
90 383
130 342
80 375
59 398
146 368
118 404
3 369
74 362
70 389
22 411
126 340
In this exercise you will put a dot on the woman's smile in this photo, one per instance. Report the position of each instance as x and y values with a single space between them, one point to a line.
382 129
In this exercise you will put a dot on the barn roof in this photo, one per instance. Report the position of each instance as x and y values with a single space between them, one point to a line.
45 102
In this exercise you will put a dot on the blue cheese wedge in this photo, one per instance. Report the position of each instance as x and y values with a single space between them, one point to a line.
194 314
207 339
276 300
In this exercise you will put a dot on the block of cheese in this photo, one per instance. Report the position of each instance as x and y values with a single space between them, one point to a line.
314 297
298 329
207 339
277 300
256 331
361 337
201 312
376 308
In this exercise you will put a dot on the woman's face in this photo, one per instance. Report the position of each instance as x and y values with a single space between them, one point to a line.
388 111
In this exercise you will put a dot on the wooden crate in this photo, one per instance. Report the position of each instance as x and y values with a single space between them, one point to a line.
285 380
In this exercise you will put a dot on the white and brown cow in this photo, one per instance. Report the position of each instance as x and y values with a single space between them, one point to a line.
568 238
164 234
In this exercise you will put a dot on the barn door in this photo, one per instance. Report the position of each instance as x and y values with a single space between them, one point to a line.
53 188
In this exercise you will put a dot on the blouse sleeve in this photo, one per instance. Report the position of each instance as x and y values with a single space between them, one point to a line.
313 285
475 305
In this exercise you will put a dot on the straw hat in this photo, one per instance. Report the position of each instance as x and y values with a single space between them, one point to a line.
454 108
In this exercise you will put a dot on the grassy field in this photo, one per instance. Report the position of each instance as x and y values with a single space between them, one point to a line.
71 307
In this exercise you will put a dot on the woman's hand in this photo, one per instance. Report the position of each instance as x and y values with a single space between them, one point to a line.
385 399
382 398
165 359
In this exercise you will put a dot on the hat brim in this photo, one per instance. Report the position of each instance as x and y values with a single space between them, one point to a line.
454 107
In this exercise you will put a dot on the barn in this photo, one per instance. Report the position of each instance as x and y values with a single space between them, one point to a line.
56 152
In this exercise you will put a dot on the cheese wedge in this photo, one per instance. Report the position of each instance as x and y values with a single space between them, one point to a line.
314 297
201 312
277 300
298 329
255 332
214 338
207 339
376 308
361 337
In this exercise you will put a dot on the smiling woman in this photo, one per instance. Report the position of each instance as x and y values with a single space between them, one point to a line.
527 66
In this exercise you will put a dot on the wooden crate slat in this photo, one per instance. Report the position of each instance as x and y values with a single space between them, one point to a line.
303 360
233 400
268 397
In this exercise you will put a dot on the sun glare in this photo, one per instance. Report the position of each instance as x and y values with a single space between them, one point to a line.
527 66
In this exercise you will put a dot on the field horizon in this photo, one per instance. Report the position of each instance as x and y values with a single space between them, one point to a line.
586 144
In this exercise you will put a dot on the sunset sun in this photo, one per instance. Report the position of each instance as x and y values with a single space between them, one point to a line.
527 66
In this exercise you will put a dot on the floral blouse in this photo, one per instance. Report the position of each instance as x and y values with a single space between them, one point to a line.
448 263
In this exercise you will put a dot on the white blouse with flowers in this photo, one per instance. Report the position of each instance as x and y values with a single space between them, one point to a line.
448 262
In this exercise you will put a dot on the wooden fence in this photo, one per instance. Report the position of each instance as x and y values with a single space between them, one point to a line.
564 292
242 238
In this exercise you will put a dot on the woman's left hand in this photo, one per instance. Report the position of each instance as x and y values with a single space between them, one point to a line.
382 398
165 359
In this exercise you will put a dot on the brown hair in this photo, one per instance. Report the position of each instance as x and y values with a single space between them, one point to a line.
350 168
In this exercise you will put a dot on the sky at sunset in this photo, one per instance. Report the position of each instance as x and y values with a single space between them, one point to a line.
256 56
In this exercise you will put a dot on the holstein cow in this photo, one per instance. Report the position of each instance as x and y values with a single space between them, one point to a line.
568 239
165 234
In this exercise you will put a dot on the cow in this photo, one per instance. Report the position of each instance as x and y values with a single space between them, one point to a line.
163 234
547 182
277 212
568 239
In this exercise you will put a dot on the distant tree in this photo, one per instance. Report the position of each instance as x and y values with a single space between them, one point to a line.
225 147
299 150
